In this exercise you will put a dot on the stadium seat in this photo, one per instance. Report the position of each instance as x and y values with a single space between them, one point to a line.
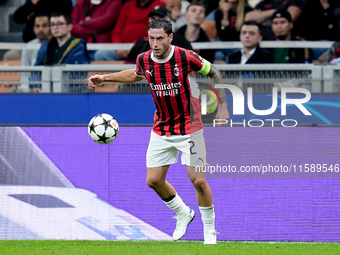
9 80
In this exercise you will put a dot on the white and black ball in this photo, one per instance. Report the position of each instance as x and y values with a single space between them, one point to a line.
103 128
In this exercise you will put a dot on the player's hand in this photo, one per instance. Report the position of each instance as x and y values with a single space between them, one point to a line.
222 113
95 80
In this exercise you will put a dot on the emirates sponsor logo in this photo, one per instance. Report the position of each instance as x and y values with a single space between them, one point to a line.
165 86
167 89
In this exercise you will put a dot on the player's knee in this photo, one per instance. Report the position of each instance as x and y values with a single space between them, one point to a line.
200 184
154 183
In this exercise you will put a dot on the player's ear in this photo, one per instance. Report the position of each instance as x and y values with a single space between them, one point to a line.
171 37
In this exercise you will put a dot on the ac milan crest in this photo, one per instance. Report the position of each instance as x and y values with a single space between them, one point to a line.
176 71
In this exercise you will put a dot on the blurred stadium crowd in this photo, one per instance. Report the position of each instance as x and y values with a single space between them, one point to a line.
126 21
62 30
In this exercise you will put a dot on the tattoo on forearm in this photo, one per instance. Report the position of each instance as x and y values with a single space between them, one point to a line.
216 78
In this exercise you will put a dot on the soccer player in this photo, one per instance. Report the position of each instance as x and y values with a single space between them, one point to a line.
178 125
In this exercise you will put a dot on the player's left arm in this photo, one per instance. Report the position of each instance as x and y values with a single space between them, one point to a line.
216 78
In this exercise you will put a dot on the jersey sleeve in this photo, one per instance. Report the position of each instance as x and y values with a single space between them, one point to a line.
199 64
139 71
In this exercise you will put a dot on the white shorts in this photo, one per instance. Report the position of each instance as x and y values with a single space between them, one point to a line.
163 150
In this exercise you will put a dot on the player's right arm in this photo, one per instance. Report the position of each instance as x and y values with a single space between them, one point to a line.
126 76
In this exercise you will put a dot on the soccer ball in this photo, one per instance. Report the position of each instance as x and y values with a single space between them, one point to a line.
103 128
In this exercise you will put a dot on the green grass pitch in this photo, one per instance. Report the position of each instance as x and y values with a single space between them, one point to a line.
61 247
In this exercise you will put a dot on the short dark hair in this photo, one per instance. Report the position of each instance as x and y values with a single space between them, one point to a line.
67 17
161 23
252 23
197 3
42 15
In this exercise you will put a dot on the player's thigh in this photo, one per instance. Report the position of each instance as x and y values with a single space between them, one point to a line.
161 151
193 151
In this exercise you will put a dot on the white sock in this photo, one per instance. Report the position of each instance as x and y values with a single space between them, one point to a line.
178 206
208 218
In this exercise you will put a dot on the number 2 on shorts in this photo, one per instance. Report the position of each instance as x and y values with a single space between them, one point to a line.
192 144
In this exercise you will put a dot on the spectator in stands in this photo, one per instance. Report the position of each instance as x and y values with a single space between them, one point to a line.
229 18
282 26
193 32
178 9
266 8
43 32
26 13
63 48
131 25
332 55
143 45
253 3
318 21
94 20
251 53
28 57
210 8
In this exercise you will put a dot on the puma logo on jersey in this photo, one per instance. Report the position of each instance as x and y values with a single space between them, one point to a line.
149 72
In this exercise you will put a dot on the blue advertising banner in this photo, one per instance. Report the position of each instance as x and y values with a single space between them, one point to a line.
140 108
75 108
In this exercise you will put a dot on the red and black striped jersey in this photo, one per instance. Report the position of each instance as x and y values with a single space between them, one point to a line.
174 90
